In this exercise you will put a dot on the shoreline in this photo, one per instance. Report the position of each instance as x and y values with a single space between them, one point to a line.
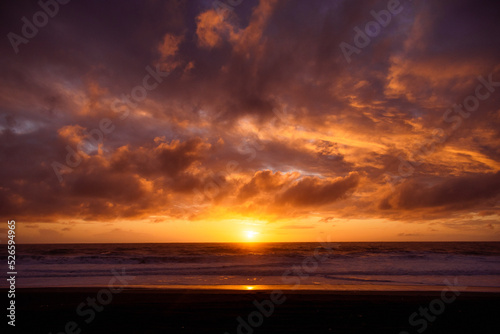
148 290
361 288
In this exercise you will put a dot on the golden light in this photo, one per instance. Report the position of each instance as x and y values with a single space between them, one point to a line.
251 234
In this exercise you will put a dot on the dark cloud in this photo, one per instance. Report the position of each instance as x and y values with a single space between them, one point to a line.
454 193
311 191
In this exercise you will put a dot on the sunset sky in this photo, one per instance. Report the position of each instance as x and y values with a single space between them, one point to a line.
170 121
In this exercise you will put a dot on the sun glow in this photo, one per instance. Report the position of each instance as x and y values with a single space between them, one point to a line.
251 234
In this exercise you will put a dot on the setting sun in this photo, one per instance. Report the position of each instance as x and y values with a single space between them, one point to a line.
251 234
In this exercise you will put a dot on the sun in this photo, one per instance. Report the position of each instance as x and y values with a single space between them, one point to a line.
251 234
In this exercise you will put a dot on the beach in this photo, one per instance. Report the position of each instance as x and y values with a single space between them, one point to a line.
145 310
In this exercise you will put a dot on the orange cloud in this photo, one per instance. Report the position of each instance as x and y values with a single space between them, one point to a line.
213 28
168 48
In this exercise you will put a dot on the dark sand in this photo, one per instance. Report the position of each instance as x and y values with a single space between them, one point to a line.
215 311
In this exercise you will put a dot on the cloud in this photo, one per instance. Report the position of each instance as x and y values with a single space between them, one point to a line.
409 234
311 191
212 28
165 159
168 49
295 227
265 182
326 220
454 193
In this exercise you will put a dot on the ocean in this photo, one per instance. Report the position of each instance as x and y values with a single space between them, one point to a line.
341 266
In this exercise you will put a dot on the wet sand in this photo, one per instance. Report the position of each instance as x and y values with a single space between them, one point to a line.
133 310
